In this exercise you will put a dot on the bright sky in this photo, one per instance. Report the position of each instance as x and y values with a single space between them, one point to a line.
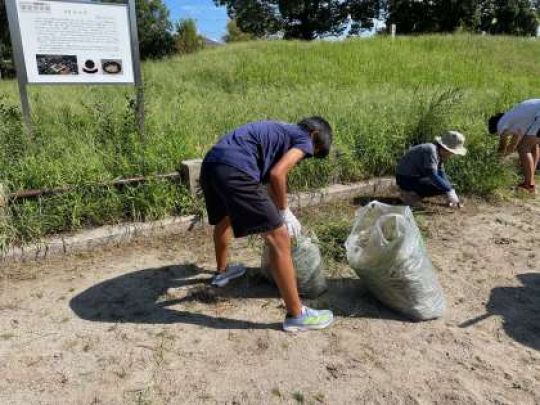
211 20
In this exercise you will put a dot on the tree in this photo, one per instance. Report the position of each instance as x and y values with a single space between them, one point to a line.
536 6
6 59
413 17
295 19
362 13
515 17
187 39
235 34
154 28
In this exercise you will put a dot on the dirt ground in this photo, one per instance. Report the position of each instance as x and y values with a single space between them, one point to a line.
138 325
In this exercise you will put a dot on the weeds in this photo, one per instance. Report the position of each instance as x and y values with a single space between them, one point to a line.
381 96
298 397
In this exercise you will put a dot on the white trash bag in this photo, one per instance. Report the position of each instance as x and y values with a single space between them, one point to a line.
386 250
308 265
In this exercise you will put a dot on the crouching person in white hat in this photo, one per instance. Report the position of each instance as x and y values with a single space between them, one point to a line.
420 172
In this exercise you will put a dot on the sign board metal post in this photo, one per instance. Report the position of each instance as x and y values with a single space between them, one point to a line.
20 66
139 106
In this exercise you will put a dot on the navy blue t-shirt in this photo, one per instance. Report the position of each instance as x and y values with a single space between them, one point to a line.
256 147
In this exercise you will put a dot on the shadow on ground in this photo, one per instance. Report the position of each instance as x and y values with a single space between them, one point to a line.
162 295
431 206
361 201
520 309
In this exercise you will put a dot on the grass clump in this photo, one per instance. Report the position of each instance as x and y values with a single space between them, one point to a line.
298 397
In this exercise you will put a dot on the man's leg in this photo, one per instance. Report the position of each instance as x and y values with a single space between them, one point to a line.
527 157
427 188
282 265
223 234
536 156
222 242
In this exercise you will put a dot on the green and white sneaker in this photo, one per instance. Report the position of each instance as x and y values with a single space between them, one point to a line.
222 279
310 319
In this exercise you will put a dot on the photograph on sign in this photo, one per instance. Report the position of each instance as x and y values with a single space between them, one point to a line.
73 42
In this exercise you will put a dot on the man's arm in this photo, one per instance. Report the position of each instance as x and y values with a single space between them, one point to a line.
503 143
441 180
508 142
278 176
514 142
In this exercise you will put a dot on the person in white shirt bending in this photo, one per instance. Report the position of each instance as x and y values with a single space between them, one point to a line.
519 129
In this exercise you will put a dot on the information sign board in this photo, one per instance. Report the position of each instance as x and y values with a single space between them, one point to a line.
75 42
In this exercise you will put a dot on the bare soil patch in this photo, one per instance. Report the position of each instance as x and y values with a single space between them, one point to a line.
138 324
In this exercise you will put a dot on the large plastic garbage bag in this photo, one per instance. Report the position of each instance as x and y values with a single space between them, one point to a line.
308 265
386 250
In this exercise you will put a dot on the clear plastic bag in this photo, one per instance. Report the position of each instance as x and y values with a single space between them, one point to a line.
308 265
386 250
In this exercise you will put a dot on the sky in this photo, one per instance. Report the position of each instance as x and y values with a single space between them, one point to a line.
211 20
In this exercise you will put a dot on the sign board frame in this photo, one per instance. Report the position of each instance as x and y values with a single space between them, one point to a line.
21 67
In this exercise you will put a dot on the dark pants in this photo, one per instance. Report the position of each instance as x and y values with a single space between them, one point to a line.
423 186
229 192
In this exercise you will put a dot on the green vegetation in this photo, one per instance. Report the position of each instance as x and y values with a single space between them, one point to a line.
381 95
187 39
308 19
235 34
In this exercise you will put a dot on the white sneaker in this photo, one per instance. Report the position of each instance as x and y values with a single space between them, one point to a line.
309 319
222 279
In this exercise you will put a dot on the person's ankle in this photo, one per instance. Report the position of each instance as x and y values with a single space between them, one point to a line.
296 312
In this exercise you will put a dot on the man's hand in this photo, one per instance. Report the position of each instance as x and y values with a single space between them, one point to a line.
291 222
453 199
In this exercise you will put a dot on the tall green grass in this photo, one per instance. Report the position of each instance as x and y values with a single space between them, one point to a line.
381 96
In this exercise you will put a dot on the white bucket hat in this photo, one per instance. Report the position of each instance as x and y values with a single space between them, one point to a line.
453 142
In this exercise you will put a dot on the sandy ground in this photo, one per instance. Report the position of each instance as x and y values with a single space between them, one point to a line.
138 325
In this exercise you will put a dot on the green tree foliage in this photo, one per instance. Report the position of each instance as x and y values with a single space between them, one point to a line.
307 19
513 17
363 12
516 17
235 34
295 19
154 28
187 39
413 17
6 64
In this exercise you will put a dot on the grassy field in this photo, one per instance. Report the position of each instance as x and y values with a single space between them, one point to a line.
381 96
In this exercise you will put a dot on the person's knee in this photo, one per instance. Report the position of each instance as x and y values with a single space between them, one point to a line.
278 239
527 145
223 228
522 149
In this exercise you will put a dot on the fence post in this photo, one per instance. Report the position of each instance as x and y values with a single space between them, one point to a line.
3 198
190 170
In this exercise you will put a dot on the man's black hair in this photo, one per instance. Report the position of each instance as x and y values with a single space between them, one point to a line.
323 136
493 122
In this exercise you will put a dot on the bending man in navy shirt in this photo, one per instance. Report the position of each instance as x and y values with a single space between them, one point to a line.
237 202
